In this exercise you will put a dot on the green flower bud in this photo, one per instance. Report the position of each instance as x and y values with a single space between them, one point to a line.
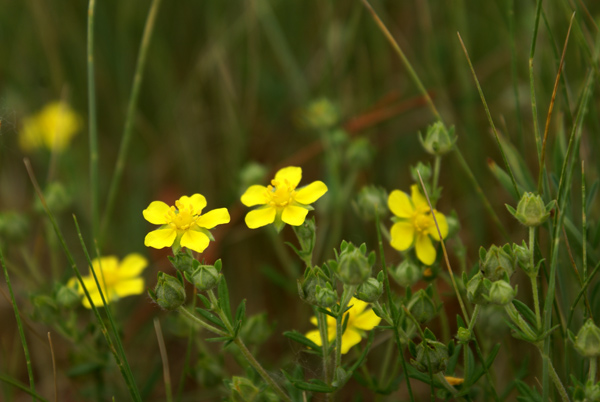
56 197
370 291
354 266
422 307
204 278
464 335
307 287
438 140
407 273
325 296
321 114
522 255
424 169
476 291
250 174
67 296
360 153
591 392
431 354
184 261
243 389
587 341
531 210
169 292
496 262
371 201
13 226
306 234
501 293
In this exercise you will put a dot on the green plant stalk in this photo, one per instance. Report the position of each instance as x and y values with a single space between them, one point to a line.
593 369
555 379
536 130
583 222
323 332
423 339
92 115
22 387
533 278
440 377
339 331
123 368
20 327
513 70
130 117
436 171
245 352
474 316
519 321
164 358
188 354
201 322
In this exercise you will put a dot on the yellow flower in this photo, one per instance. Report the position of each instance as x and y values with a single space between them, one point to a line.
281 202
116 279
53 127
454 380
415 224
183 224
359 320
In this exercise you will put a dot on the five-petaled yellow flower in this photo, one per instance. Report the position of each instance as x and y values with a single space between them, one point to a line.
116 279
281 202
183 224
415 224
52 128
360 319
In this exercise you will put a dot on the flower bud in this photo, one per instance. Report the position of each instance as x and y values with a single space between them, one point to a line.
354 267
438 139
476 290
360 153
204 278
169 292
321 114
184 261
325 296
464 335
371 201
531 210
307 287
370 291
496 262
501 293
407 273
431 354
422 307
67 296
522 255
243 389
14 227
587 341
306 234
423 169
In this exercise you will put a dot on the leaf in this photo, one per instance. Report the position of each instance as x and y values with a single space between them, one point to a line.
460 322
205 300
525 311
240 313
210 317
314 386
298 337
453 360
224 299
219 339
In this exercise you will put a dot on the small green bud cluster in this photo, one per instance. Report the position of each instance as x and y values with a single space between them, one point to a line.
316 288
169 292
438 139
204 277
421 305
531 210
407 273
587 341
430 354
321 114
371 290
497 263
500 292
371 202
353 265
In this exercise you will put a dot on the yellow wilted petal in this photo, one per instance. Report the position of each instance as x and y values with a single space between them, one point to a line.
403 234
194 240
255 195
443 224
350 338
311 193
156 213
132 265
293 215
425 250
197 201
367 320
292 174
400 204
213 218
418 199
260 217
160 238
129 287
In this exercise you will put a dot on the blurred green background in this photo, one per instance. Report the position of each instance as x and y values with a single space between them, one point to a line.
224 89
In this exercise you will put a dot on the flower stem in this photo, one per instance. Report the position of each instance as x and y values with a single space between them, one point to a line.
322 323
554 377
346 297
533 278
593 369
200 322
436 171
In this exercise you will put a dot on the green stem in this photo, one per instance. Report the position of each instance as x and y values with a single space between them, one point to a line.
440 377
22 387
201 322
474 315
346 297
583 222
436 171
554 377
533 278
519 321
20 327
593 369
129 119
323 332
93 128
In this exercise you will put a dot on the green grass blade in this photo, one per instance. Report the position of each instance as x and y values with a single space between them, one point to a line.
93 127
22 387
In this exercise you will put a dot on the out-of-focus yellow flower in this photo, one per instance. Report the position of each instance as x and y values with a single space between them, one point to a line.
360 319
117 280
415 224
454 380
183 223
281 202
52 128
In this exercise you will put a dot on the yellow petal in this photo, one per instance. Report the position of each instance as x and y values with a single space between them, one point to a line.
132 265
454 380
442 223
403 234
260 217
350 338
96 299
425 250
59 123
366 321
293 215
314 336
213 218
311 193
400 204
314 321
156 213
194 240
106 265
358 307
129 287
197 201
418 199
255 195
292 174
160 238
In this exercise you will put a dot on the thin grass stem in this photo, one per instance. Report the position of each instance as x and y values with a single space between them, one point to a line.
53 367
165 359
22 387
92 117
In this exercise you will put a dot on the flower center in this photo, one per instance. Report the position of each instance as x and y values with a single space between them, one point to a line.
280 193
421 222
182 217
